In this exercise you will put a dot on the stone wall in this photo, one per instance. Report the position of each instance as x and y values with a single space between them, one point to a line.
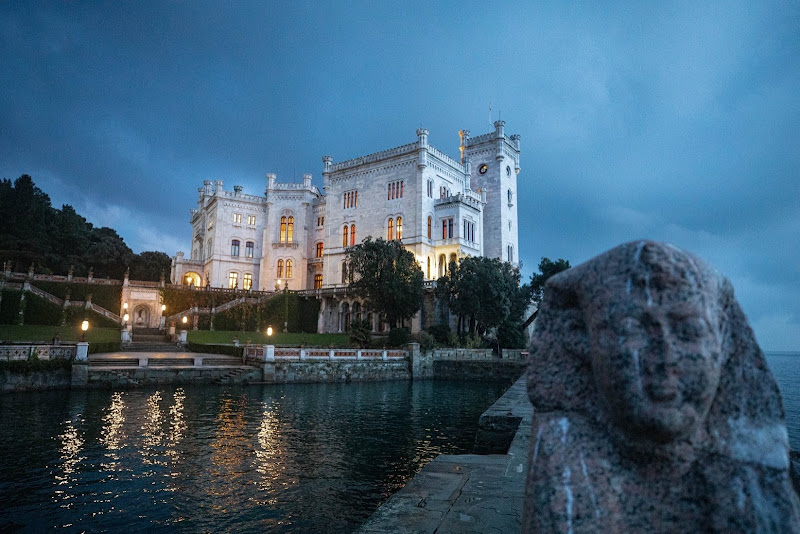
150 376
498 370
35 381
287 372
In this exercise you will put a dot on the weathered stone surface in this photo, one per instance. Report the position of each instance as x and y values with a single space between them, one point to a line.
655 410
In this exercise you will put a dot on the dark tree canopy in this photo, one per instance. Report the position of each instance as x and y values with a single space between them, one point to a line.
32 231
388 277
547 268
485 293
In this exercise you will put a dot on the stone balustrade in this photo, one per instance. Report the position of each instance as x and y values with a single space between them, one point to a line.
42 352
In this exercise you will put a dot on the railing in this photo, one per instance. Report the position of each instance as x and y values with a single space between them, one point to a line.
263 353
42 352
47 296
105 313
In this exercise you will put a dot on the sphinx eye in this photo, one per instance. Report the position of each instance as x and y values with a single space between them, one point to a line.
689 328
632 326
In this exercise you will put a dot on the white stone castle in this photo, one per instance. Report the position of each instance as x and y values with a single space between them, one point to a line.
294 236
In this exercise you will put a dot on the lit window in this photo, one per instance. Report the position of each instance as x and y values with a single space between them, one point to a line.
280 269
288 268
344 272
251 220
247 281
352 235
399 228
290 231
233 280
235 247
345 232
430 223
237 218
350 199
317 281
249 247
394 190
283 230
442 266
320 247
390 230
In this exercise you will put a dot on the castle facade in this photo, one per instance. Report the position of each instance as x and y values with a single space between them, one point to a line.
294 236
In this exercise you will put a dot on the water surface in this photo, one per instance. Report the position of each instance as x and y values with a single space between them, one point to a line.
295 458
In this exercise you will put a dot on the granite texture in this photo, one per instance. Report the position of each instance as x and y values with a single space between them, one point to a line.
655 409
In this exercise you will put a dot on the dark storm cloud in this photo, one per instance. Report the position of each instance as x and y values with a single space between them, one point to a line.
677 122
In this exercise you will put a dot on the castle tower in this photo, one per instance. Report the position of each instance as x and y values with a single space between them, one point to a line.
494 166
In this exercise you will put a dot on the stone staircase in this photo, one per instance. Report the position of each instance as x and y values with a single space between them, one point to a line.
151 340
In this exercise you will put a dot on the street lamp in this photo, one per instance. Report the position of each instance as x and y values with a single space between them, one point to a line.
286 306
185 320
269 331
84 328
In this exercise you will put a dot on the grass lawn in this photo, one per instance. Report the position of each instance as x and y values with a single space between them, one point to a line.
260 338
45 334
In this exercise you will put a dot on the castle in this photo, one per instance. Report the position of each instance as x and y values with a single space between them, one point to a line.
296 237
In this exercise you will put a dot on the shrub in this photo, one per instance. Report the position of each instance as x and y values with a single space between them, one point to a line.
471 341
426 341
108 346
399 336
360 333
216 349
440 332
34 365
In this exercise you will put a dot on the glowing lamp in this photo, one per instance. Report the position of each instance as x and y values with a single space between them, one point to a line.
124 305
185 320
124 318
84 328
269 331
163 308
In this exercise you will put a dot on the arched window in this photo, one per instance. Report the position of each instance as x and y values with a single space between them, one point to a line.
247 281
429 264
510 196
344 272
320 249
352 235
442 266
249 247
390 230
290 233
317 281
399 228
345 231
452 260
283 229
288 268
280 269
233 280
430 224
234 247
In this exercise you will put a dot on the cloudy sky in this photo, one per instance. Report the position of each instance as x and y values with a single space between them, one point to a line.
672 121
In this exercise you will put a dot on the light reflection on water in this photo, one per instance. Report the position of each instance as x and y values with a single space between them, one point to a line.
304 458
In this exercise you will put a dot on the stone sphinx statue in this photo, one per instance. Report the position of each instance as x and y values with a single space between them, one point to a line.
654 408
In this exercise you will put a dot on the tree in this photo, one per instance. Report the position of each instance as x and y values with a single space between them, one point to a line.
150 266
547 268
484 293
388 277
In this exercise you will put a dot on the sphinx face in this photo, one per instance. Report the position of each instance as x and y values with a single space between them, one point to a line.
656 364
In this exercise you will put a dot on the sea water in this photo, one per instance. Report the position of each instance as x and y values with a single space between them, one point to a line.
785 367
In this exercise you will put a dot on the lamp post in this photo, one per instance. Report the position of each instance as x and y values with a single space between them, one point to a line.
163 320
286 306
84 328
269 331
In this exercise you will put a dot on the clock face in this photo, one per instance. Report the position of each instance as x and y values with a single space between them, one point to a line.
483 168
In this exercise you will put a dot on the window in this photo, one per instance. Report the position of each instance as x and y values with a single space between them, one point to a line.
210 250
345 232
394 190
251 220
510 253
283 229
444 228
350 199
430 188
320 222
280 269
442 266
235 247
451 262
317 281
399 228
249 247
288 268
320 247
290 231
447 228
390 230
510 197
344 272
430 223
247 282
469 231
233 280
429 268
352 235
237 218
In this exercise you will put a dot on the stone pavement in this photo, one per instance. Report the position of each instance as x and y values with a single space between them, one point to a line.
465 493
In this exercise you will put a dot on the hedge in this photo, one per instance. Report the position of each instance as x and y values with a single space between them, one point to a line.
105 296
230 350
9 307
74 316
108 346
34 365
41 311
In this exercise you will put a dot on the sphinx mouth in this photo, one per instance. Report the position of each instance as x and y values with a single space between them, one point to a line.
662 393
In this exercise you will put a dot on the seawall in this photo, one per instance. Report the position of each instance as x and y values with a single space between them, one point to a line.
467 492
